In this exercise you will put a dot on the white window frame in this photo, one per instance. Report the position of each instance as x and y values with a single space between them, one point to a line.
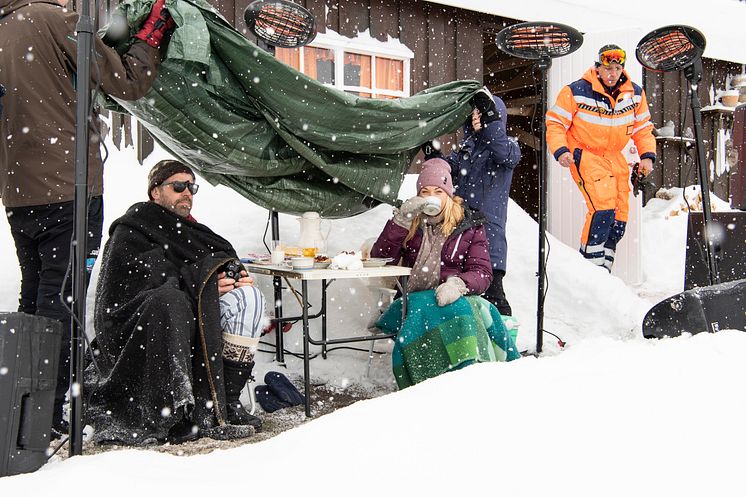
362 45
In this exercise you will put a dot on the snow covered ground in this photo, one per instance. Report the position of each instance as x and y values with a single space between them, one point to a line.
611 414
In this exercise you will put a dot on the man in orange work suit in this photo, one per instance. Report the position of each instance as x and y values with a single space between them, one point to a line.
587 129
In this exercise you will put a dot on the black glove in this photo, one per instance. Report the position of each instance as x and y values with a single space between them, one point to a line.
639 181
2 92
486 107
431 149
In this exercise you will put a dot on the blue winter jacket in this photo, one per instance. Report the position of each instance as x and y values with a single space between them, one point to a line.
482 171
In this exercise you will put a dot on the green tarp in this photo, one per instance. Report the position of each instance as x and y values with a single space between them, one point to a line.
244 119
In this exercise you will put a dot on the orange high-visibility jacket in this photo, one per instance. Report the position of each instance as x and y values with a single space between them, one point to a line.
585 116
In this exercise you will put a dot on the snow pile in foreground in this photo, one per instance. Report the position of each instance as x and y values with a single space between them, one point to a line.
604 418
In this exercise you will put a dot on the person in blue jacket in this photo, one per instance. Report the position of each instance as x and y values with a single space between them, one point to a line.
482 170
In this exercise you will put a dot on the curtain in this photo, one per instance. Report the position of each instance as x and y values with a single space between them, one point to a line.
389 74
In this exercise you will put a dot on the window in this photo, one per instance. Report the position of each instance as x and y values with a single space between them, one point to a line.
362 66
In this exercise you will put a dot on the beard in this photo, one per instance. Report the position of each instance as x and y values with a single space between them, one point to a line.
183 207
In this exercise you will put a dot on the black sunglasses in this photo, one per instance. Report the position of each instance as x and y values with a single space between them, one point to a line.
180 186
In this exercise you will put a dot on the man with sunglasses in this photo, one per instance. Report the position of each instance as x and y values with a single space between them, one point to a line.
587 129
176 333
38 67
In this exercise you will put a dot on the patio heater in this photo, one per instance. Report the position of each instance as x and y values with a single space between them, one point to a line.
680 48
540 41
284 24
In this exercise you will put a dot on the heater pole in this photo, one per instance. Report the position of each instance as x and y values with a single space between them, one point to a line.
693 74
542 65
84 29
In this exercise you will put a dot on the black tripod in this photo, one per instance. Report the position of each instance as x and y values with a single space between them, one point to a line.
80 224
680 48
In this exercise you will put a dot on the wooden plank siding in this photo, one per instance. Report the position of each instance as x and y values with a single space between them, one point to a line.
669 101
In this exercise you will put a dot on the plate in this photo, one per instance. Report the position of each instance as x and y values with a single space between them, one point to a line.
376 262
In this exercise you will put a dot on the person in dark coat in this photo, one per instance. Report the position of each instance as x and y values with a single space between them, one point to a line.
482 175
176 333
38 66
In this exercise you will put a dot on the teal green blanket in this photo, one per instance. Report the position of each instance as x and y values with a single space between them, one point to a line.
433 339
244 119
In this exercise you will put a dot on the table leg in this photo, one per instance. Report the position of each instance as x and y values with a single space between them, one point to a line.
323 318
404 297
306 359
279 352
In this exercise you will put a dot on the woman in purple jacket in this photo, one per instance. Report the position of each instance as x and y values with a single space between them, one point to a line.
443 241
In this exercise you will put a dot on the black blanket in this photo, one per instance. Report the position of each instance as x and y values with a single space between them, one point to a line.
157 321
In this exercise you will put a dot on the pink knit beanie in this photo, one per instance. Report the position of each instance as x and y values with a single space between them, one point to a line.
436 172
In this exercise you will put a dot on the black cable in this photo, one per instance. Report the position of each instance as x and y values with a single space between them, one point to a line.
300 356
538 159
357 349
63 442
266 228
686 155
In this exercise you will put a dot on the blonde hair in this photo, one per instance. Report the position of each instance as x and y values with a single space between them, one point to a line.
453 214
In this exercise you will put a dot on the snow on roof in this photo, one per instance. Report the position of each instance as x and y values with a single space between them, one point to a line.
721 21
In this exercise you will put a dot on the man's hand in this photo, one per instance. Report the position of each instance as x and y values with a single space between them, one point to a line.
225 285
476 120
244 280
566 160
646 166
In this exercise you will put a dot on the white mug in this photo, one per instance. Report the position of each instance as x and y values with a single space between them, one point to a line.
277 256
432 206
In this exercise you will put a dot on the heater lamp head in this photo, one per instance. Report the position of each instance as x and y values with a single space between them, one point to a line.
670 48
280 23
539 40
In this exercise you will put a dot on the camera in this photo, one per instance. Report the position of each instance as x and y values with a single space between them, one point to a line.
232 269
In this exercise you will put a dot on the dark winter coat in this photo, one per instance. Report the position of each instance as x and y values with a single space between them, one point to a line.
157 327
464 253
38 54
482 173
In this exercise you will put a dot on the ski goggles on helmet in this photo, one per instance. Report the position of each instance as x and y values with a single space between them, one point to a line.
180 186
614 55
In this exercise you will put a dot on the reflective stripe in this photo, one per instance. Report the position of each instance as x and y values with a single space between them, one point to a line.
641 127
593 251
606 121
554 119
592 102
640 117
598 261
561 112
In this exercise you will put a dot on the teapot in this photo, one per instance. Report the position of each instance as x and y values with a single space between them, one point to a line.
310 234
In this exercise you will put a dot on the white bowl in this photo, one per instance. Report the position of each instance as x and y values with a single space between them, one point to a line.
301 262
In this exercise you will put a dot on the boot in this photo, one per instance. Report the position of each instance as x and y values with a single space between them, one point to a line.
236 374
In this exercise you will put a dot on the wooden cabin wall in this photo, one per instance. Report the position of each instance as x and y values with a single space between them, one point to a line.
668 97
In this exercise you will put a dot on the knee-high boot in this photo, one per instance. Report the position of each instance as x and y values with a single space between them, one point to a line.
236 374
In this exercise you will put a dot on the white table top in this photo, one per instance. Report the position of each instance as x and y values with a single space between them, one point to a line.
326 274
